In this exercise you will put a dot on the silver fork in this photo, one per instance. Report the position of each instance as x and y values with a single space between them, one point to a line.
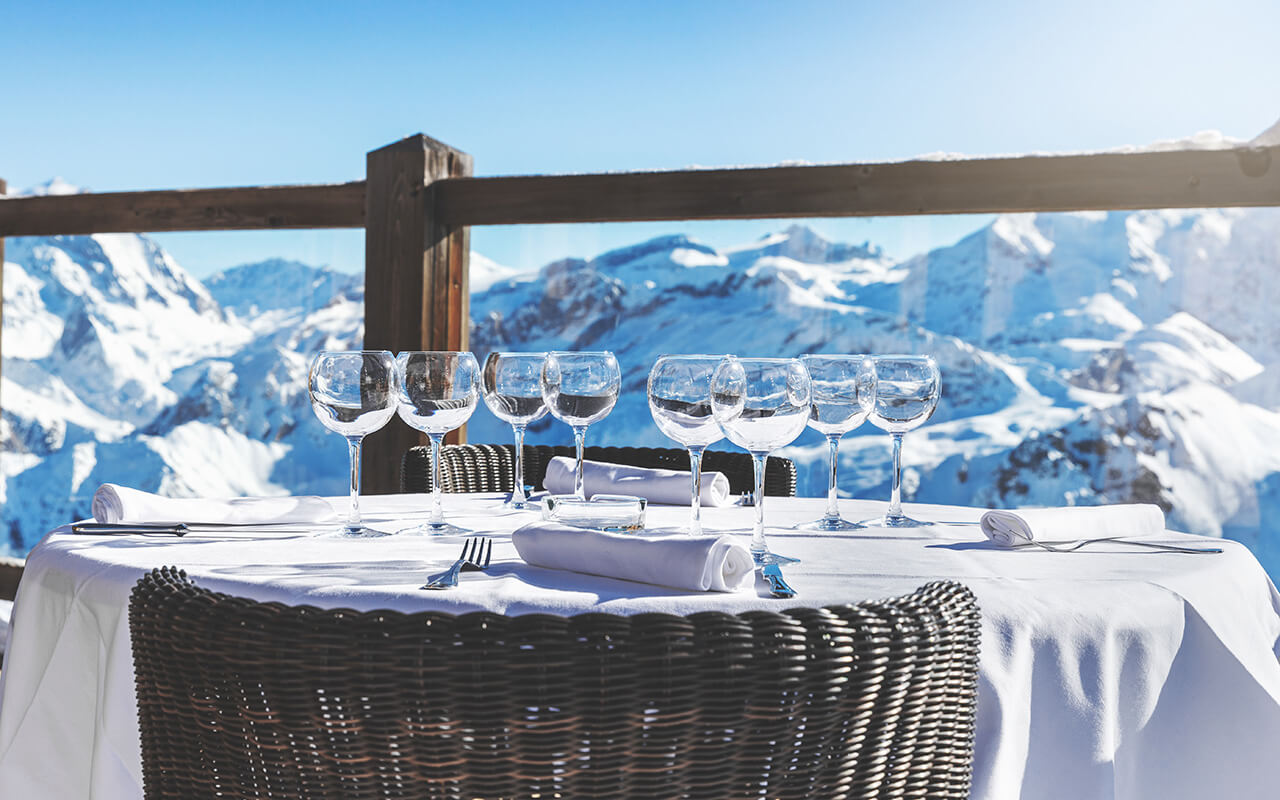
476 555
1067 547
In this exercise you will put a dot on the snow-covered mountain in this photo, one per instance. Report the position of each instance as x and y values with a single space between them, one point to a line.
1086 358
119 365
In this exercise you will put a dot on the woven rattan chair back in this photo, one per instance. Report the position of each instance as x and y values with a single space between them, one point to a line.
240 699
491 468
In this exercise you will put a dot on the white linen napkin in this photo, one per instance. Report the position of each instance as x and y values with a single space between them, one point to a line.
666 486
1013 528
115 503
697 563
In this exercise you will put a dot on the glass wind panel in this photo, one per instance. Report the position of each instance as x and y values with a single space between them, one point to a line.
121 365
1086 358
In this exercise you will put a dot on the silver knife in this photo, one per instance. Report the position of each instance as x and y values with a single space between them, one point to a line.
777 586
178 529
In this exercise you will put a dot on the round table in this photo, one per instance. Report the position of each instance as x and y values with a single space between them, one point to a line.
1114 671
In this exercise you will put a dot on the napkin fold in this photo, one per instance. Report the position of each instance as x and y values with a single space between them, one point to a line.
115 503
666 486
696 563
1012 528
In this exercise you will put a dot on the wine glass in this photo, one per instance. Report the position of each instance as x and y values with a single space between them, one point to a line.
513 392
907 392
761 404
579 389
437 393
680 402
843 391
353 393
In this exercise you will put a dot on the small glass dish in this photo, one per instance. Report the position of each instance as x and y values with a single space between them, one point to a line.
615 513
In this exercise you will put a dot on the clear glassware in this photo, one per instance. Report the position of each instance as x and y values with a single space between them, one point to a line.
353 394
437 393
513 392
680 402
761 404
907 392
843 391
580 389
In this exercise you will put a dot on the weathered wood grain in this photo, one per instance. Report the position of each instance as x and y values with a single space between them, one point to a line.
1175 179
416 289
339 205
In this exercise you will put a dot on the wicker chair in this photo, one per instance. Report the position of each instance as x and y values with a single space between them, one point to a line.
491 467
241 699
10 574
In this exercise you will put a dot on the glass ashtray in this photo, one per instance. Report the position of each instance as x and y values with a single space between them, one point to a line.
615 513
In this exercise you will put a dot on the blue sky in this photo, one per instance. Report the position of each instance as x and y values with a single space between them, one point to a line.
162 95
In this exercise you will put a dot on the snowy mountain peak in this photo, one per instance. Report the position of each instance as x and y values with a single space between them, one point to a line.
53 186
1021 232
277 284
485 272
660 245
802 243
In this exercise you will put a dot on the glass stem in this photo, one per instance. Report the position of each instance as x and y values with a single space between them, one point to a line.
580 442
833 444
353 515
517 492
895 495
758 546
437 507
695 503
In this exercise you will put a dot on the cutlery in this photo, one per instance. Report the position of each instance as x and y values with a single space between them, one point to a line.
1070 546
777 586
179 528
476 555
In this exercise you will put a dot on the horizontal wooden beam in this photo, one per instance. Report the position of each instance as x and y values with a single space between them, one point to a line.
1174 179
1119 181
339 205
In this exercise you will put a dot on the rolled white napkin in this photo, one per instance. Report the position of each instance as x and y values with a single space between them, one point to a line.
666 486
1013 528
697 563
115 503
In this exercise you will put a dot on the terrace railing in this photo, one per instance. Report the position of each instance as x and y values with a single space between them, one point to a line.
418 201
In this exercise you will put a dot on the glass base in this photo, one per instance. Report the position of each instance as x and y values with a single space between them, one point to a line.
435 529
353 532
521 504
829 524
899 521
767 557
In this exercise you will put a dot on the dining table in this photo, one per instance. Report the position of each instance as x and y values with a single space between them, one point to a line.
1114 671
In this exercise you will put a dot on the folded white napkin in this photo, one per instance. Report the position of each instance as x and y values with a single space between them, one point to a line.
697 563
1013 528
666 486
114 503
6 612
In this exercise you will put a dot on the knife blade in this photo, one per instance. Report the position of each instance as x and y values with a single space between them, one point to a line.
180 528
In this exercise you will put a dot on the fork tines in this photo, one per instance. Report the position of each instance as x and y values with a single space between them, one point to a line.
477 552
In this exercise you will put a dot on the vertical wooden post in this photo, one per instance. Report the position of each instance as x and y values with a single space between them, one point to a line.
417 296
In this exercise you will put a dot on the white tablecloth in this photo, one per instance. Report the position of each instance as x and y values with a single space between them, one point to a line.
1104 673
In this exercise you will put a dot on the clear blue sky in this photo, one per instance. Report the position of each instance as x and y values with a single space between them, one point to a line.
148 95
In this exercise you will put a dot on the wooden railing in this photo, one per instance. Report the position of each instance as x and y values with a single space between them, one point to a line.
418 200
